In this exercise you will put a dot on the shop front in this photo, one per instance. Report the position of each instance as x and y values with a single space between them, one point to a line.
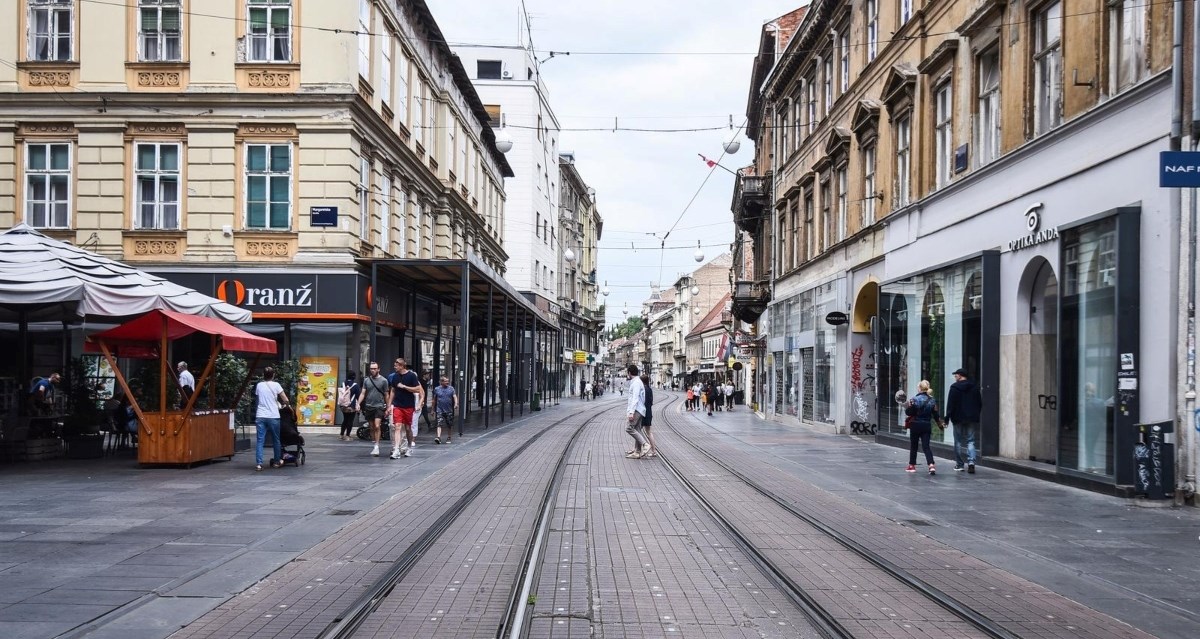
804 361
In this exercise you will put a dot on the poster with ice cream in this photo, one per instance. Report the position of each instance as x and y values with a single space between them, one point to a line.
316 391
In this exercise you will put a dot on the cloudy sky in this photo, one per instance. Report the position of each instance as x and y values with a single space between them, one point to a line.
659 64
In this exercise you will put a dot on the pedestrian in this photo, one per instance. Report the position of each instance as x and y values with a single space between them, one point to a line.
963 407
587 390
41 395
710 396
404 391
348 405
582 389
187 383
691 397
271 398
922 412
427 385
373 403
652 451
635 410
445 402
728 396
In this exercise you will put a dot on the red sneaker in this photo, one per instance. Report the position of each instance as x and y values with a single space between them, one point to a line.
910 469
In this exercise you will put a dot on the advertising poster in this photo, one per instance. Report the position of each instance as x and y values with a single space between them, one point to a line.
316 391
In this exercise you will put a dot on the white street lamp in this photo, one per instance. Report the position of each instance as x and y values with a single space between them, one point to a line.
732 146
695 290
605 291
698 255
696 311
504 141
569 256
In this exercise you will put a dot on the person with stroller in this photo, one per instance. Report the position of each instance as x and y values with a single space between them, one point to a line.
270 398
445 403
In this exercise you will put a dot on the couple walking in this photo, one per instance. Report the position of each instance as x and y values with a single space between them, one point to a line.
638 415
963 407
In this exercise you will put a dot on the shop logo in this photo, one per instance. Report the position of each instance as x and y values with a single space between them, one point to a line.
236 293
382 300
1034 233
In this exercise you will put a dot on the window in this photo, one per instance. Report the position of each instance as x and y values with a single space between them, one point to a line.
364 39
827 84
419 116
843 222
268 186
903 159
783 134
844 52
385 209
987 118
270 31
812 105
905 11
400 224
868 201
1047 68
418 224
810 234
872 15
798 114
943 147
537 224
451 132
364 196
400 86
159 33
156 171
793 244
385 67
51 30
489 69
537 273
826 215
48 185
1127 43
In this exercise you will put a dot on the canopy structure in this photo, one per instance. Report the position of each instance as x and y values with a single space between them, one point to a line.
150 329
43 279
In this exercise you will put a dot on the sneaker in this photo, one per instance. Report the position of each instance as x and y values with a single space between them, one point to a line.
910 469
407 452
412 445
932 470
971 468
375 451
437 440
395 453
959 469
633 455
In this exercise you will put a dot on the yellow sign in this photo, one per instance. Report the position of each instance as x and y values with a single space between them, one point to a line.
580 357
730 361
316 391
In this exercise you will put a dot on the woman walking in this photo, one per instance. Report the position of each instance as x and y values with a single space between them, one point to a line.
348 404
922 412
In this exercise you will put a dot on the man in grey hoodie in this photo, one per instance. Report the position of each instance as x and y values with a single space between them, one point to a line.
963 406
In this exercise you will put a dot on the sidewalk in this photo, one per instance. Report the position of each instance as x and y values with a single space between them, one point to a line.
1138 564
104 548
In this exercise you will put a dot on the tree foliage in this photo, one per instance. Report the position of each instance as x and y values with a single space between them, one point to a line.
628 328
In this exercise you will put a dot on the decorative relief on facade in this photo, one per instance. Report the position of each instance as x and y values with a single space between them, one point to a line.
172 130
155 248
49 78
269 79
262 248
53 130
159 79
268 130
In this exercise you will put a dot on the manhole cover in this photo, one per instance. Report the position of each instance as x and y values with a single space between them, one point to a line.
341 513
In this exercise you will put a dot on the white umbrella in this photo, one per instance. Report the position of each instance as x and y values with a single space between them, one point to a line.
44 279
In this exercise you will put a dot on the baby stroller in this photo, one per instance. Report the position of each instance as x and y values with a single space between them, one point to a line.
290 438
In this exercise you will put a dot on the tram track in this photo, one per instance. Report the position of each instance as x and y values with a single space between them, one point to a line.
348 622
826 622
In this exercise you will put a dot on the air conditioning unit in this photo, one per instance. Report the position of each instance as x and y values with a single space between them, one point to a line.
506 74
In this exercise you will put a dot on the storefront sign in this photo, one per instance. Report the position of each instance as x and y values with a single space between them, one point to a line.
581 357
1035 234
316 391
323 216
836 318
1179 169
568 356
292 293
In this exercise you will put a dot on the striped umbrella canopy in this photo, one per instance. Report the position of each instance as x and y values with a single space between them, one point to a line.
43 279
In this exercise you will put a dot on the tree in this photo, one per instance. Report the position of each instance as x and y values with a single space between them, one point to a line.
628 328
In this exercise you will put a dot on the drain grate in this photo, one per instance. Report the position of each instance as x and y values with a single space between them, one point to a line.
342 513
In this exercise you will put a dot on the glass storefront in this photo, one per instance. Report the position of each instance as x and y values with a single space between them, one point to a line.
804 374
931 325
1088 334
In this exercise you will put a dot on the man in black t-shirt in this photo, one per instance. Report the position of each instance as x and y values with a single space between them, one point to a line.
404 391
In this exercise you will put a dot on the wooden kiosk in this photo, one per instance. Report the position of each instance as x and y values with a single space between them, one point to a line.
178 436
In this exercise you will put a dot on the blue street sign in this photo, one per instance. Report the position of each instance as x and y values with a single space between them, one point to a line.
1179 169
323 216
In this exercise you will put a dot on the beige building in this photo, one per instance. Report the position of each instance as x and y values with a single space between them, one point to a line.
945 184
260 150
580 315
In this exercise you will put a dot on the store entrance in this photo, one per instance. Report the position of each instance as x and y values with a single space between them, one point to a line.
1043 362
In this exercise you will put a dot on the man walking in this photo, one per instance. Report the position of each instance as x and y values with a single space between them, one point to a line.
187 383
404 391
445 401
373 402
635 409
963 406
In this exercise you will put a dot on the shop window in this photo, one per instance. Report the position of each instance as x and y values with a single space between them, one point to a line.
268 186
156 168
1127 43
51 30
269 30
160 35
1047 68
48 185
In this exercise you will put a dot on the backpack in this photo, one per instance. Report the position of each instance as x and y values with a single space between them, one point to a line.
346 397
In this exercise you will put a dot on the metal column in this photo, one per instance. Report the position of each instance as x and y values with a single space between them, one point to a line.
464 315
487 410
374 308
506 369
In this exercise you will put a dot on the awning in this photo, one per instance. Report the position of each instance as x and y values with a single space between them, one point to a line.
147 331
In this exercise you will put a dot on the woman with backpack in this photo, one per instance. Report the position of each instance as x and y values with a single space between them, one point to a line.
922 412
348 404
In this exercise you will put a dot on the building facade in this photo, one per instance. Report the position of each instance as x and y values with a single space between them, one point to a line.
581 314
257 159
977 190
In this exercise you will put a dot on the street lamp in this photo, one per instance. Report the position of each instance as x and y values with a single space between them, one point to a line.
732 147
605 291
695 291
698 255
504 141
569 256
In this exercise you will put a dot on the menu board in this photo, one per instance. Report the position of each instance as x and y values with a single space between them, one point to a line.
316 391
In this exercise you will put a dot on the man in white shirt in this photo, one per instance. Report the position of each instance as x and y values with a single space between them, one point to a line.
728 396
187 383
635 409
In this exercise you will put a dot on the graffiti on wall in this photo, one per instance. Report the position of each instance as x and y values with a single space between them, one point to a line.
862 389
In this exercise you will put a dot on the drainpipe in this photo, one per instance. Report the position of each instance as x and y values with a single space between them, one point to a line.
1190 416
1176 202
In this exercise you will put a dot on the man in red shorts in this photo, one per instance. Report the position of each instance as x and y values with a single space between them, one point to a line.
404 391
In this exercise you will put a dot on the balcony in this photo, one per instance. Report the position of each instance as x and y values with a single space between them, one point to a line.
750 299
751 197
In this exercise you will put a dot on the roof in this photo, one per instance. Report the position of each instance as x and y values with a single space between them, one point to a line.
713 318
148 330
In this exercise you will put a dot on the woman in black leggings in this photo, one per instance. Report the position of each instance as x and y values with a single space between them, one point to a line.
922 413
